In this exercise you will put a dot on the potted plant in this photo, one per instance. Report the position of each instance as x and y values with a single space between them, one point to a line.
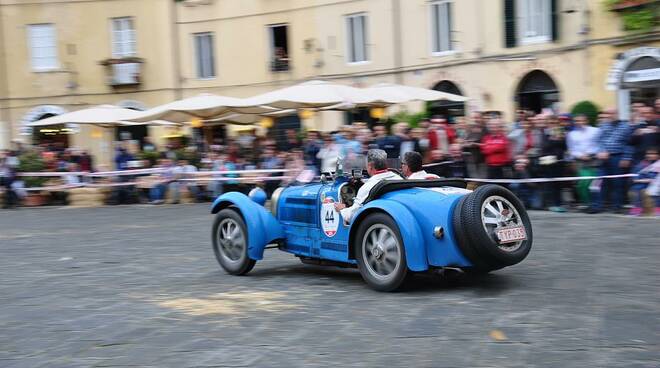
32 162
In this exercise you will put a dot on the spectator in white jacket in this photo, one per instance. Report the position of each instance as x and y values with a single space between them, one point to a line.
329 154
582 141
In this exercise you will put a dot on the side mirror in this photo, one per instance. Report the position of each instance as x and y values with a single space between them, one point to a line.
324 178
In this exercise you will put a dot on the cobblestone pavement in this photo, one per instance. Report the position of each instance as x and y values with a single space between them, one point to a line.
138 286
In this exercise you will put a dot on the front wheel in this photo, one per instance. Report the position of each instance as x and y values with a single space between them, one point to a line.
230 242
380 253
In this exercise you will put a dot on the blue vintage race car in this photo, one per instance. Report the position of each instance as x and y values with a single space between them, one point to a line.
404 226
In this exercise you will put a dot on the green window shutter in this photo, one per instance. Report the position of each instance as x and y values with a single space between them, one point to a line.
554 8
509 23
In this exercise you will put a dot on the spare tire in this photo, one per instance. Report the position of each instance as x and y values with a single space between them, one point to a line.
492 228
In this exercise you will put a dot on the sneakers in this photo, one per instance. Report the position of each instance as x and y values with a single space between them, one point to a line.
635 211
592 210
557 209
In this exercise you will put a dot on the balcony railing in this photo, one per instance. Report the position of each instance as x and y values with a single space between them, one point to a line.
124 71
279 65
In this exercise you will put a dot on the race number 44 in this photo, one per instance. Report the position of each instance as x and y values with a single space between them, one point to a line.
329 217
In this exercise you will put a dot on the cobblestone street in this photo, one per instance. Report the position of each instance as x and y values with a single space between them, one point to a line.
139 286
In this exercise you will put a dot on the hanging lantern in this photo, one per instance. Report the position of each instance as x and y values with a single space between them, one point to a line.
377 112
306 114
196 123
266 122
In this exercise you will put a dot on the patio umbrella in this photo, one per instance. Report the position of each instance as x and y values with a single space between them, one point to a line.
311 94
389 94
204 106
104 115
152 123
248 119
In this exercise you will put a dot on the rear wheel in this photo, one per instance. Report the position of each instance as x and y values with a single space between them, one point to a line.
479 221
230 242
380 253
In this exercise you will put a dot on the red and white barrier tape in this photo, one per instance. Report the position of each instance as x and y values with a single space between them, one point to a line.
266 178
547 180
55 188
155 170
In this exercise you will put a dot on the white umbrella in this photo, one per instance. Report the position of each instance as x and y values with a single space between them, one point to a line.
204 106
153 123
97 115
247 119
388 94
311 94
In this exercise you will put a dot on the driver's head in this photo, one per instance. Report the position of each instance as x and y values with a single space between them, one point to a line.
411 163
376 160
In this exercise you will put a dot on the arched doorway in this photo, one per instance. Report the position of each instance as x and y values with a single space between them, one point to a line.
448 109
635 76
132 133
537 91
642 78
56 137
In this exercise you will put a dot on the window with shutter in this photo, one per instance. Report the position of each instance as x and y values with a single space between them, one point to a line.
534 21
204 57
123 46
441 32
509 23
356 29
43 47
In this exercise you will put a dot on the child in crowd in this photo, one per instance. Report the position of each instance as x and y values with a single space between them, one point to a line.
524 191
647 170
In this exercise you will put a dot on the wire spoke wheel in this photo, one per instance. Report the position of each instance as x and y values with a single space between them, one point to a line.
498 213
231 239
381 251
230 242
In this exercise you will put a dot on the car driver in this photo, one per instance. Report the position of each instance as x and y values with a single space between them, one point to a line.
411 166
377 170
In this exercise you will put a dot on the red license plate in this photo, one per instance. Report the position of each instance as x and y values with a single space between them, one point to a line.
511 234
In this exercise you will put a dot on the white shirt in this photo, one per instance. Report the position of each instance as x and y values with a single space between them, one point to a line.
582 141
422 175
329 156
362 194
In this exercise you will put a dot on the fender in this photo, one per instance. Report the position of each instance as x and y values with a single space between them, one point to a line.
413 242
262 227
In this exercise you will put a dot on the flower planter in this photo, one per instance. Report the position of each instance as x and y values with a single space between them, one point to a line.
34 200
628 4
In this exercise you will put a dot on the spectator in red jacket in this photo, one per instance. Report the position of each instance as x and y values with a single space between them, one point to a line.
441 135
495 147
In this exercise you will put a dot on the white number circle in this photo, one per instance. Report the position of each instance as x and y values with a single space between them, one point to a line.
329 217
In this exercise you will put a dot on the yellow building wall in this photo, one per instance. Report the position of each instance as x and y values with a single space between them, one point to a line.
486 71
83 36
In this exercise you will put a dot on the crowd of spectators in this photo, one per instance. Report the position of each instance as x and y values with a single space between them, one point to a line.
481 145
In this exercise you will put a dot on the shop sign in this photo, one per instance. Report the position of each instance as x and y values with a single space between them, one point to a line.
642 75
617 71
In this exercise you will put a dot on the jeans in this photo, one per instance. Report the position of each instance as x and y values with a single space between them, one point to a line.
495 172
215 188
524 192
157 192
612 189
552 189
175 188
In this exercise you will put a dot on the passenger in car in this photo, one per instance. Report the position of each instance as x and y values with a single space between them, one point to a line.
377 169
411 166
